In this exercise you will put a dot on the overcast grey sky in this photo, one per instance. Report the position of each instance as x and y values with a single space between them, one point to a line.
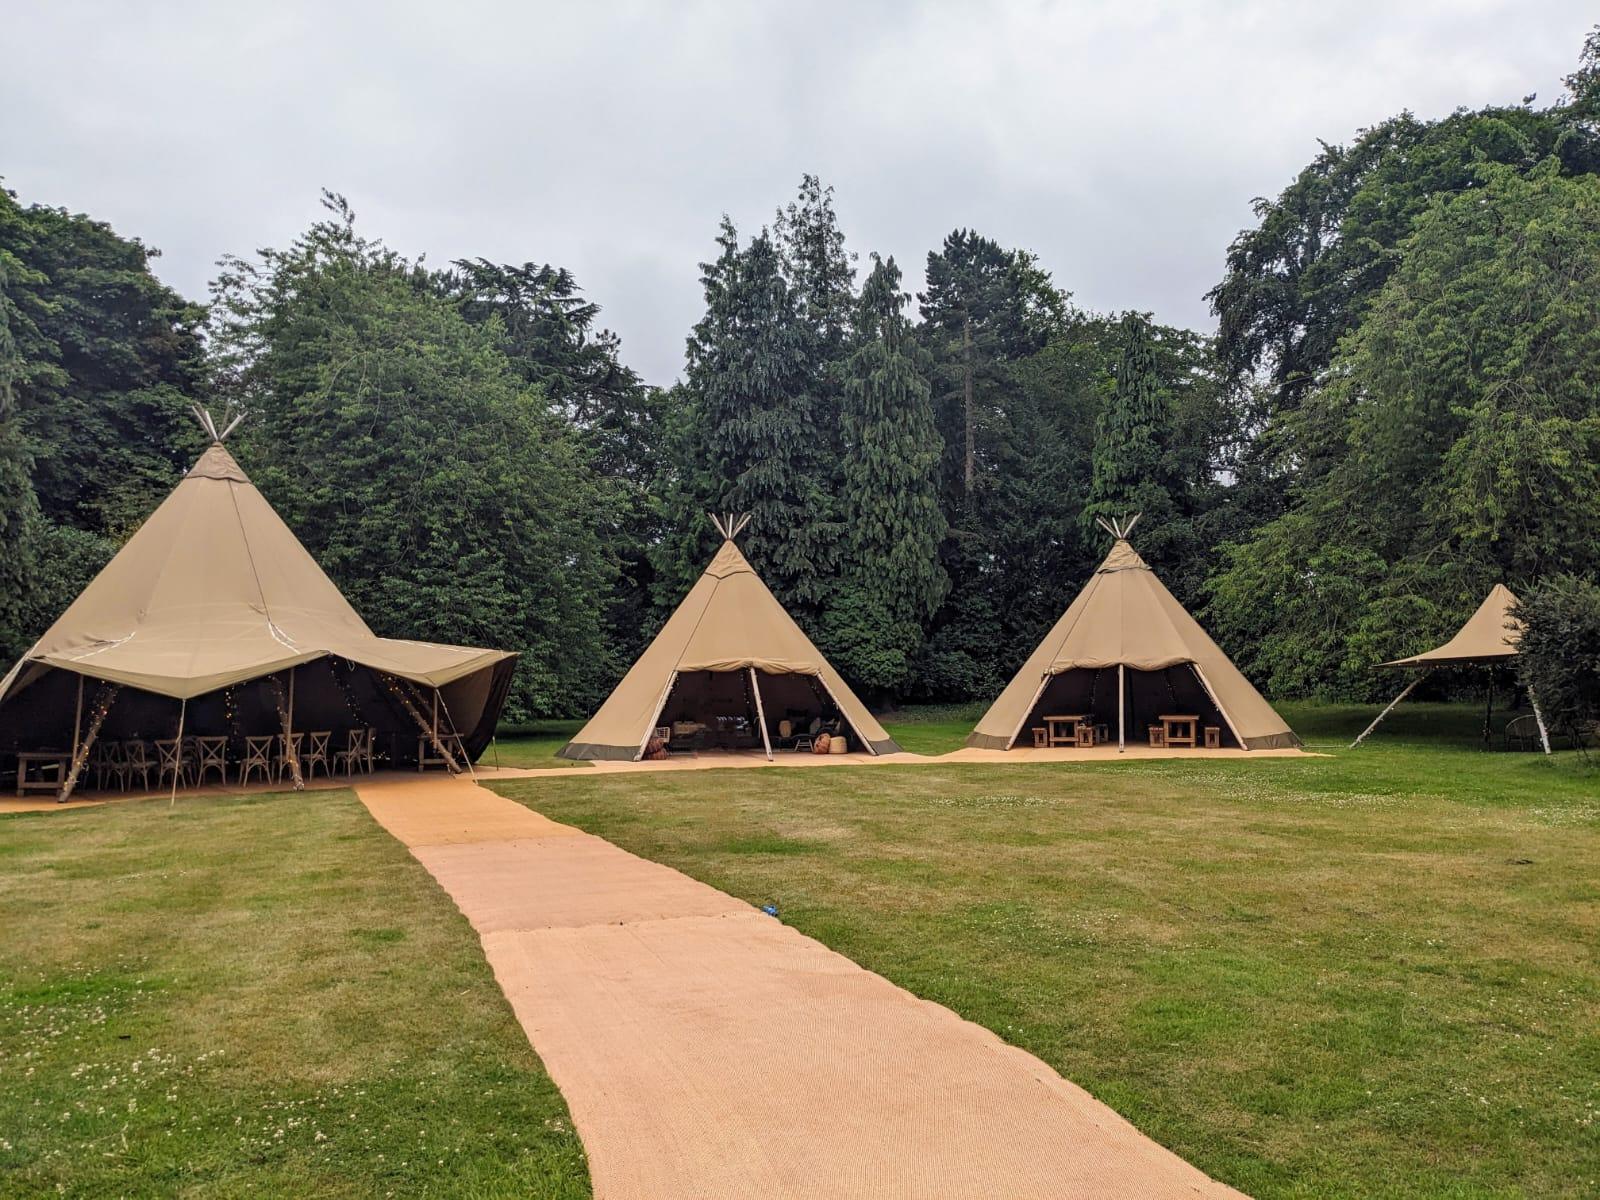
1121 140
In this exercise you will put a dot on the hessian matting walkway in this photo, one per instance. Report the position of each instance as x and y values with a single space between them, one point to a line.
707 1050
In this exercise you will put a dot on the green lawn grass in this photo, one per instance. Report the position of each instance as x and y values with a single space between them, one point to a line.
1371 974
255 996
932 729
533 746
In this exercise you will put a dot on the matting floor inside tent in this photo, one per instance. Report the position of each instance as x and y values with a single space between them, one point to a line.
707 1050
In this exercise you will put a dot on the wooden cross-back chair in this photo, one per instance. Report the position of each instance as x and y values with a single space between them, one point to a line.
136 762
257 757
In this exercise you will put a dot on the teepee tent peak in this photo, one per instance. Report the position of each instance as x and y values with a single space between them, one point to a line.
730 525
1119 529
208 423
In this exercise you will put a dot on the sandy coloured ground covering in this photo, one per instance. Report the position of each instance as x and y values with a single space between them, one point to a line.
707 1050
714 760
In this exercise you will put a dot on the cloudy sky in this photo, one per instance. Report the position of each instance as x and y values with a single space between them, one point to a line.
1121 140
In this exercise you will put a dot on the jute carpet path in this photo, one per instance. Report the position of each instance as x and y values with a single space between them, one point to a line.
707 1050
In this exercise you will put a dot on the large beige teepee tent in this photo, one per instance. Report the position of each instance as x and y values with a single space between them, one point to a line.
1488 639
729 651
1126 651
214 620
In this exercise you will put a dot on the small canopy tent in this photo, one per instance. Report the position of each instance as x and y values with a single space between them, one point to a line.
1488 639
1126 646
214 620
728 650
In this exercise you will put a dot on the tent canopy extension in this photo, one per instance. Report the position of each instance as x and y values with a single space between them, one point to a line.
1126 621
728 626
1489 636
1488 639
213 593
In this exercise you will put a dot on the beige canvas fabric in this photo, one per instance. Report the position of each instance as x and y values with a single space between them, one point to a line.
214 590
1126 617
729 621
1490 635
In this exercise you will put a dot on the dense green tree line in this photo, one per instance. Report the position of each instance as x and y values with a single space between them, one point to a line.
1400 407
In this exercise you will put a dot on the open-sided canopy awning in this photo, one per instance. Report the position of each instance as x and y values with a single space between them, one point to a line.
1489 636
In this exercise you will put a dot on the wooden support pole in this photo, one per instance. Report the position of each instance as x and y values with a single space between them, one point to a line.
77 722
286 716
1488 708
655 716
455 734
761 716
1017 732
1122 707
1538 719
1375 721
108 693
430 732
1210 691
177 761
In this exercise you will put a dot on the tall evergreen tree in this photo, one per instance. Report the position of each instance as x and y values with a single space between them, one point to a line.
821 272
821 275
1129 445
890 582
984 311
978 321
749 440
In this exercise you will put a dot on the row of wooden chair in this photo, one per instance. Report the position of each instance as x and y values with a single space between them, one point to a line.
270 757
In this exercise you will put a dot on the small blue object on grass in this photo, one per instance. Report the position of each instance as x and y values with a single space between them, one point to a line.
770 909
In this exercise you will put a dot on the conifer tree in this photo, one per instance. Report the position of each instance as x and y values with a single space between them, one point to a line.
1129 462
821 272
985 310
750 438
890 582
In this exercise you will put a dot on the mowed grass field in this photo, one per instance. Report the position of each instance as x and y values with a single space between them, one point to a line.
533 746
1372 974
262 996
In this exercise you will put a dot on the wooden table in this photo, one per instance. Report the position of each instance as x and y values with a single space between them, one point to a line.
427 756
1172 723
1063 730
42 760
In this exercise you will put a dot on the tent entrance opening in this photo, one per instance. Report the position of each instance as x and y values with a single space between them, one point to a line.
1091 695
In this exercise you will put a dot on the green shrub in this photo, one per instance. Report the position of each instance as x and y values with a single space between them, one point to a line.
1559 655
